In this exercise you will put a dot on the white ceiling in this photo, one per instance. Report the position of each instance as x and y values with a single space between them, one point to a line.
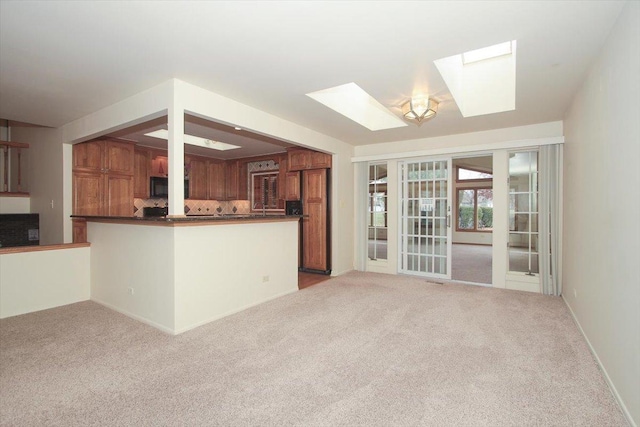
60 61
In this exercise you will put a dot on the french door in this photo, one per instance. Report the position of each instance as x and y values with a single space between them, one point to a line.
425 224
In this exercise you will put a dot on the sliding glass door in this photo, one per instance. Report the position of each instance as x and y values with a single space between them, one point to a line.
425 225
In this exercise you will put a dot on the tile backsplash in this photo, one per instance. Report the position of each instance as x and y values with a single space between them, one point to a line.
196 207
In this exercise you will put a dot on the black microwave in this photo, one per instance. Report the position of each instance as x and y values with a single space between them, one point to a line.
159 187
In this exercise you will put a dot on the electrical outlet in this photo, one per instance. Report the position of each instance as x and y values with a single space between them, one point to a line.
130 291
265 279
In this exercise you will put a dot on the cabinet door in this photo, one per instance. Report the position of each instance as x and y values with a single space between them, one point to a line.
319 160
243 180
159 166
141 174
314 227
217 190
88 193
198 179
119 158
232 180
292 186
79 230
87 157
298 159
118 195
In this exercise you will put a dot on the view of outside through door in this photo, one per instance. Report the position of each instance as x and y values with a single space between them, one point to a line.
377 212
472 249
425 233
523 212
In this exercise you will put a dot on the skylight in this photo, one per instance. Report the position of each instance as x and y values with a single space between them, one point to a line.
487 52
482 81
356 104
195 140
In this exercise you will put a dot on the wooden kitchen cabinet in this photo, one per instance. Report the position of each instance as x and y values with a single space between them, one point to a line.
103 178
198 178
141 166
87 157
118 199
88 193
237 180
159 165
217 181
303 159
292 186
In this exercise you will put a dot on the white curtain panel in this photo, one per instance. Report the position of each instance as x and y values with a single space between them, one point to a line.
550 200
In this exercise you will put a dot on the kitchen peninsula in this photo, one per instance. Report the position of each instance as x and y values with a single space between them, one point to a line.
180 273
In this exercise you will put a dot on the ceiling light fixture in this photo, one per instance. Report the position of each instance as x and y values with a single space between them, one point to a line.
420 108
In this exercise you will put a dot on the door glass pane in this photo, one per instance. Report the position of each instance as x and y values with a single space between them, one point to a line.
523 212
377 212
425 218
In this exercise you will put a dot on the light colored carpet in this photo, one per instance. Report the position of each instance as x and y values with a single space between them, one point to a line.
360 349
471 263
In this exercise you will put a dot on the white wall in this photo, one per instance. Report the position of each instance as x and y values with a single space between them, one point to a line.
221 269
32 281
186 276
601 273
13 205
45 171
140 257
480 142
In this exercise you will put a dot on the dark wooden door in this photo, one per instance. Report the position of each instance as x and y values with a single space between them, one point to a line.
314 227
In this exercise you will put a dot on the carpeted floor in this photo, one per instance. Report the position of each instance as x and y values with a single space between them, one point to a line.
360 349
471 263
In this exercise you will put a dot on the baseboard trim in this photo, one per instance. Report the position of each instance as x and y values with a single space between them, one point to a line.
612 387
136 317
234 311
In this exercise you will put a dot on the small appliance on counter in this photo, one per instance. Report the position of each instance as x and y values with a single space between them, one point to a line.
155 211
293 207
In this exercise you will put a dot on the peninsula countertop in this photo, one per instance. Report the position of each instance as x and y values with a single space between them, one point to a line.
190 219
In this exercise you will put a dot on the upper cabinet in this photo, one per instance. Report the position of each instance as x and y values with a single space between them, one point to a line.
141 173
217 181
237 178
303 159
198 177
103 178
159 165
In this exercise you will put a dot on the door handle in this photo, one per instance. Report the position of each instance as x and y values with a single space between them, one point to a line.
448 221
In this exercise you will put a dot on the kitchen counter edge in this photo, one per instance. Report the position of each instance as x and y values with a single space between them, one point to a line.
189 220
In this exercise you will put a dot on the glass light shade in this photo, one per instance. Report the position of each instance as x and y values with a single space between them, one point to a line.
420 108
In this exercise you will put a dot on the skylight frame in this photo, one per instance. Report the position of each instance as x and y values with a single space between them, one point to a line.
195 140
489 52
353 102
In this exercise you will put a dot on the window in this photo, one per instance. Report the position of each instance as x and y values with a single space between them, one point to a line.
377 212
475 209
264 191
465 174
